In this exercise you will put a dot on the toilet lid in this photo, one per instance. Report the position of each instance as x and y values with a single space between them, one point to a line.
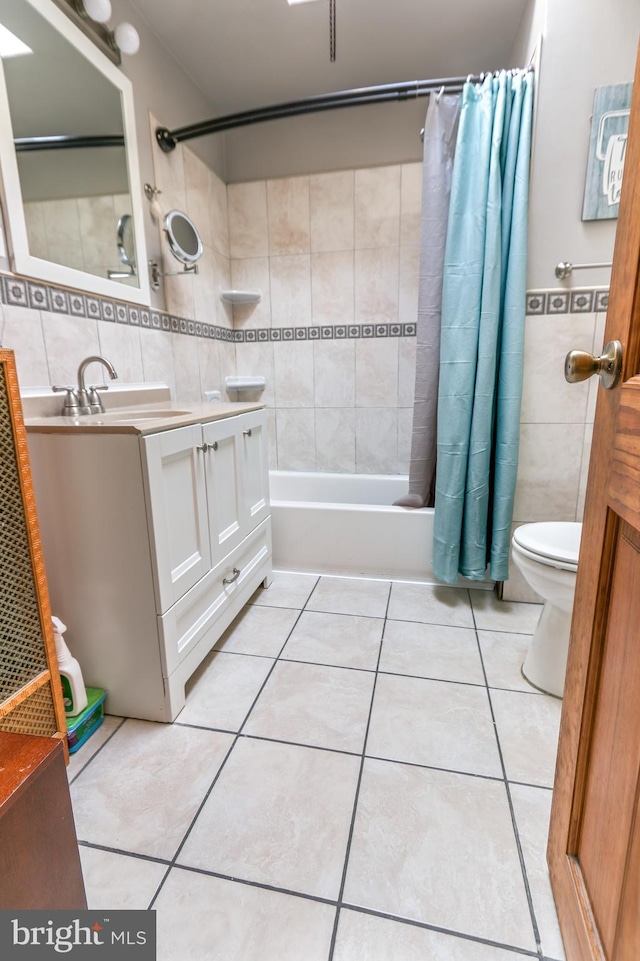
557 541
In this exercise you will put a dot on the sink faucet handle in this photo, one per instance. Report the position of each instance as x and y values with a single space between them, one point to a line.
72 406
95 402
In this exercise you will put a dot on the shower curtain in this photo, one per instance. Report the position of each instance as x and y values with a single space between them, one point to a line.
439 144
482 334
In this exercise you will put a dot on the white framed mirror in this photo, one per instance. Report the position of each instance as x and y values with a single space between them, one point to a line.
64 201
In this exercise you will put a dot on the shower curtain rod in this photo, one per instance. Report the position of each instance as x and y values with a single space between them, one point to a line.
24 144
168 139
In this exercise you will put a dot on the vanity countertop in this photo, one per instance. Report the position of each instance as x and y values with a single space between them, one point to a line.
146 418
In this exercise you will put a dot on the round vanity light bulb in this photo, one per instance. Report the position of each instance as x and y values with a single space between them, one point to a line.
127 38
98 10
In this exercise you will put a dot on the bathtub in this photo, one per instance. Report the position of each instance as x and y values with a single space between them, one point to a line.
346 524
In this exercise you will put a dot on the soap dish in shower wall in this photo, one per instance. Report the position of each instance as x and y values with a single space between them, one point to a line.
239 384
249 296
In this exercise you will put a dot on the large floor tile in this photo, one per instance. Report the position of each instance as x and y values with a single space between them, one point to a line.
117 881
202 918
532 808
365 937
147 788
258 630
89 749
313 704
439 848
430 604
430 650
221 692
286 590
503 655
528 727
494 615
344 595
343 640
435 723
279 815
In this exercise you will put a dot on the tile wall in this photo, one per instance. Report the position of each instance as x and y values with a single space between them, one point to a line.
336 257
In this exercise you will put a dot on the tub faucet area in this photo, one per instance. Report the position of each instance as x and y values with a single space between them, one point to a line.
83 399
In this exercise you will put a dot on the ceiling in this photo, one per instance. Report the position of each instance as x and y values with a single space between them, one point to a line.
250 53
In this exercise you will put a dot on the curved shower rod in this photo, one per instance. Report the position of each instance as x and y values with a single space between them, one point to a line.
409 90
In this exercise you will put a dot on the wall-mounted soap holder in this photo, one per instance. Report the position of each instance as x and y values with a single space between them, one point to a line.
235 296
239 384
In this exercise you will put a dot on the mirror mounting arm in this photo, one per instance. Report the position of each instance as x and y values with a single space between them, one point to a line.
155 273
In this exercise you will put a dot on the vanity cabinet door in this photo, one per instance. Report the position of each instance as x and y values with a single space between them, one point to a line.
237 479
253 452
177 510
222 468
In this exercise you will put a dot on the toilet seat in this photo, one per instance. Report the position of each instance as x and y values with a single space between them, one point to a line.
553 543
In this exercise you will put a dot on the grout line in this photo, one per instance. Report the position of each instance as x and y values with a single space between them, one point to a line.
219 771
343 881
525 878
121 851
93 756
475 939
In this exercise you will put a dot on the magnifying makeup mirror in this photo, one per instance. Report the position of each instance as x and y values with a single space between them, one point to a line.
184 240
184 243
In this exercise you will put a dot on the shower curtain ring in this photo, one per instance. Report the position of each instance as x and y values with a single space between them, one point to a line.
438 95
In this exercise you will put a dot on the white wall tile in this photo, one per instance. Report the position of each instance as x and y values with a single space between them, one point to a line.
377 207
548 472
157 357
406 371
22 333
409 280
376 286
331 198
209 365
187 372
584 470
546 396
376 440
336 439
296 439
257 360
250 274
218 214
196 177
291 291
377 372
68 340
410 203
405 428
293 363
289 221
120 344
334 373
248 226
332 287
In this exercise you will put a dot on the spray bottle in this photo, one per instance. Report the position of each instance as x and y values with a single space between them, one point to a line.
74 693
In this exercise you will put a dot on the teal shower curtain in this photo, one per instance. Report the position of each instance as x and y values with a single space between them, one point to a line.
482 336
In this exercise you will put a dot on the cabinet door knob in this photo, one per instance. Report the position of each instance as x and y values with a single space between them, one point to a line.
202 447
213 446
247 432
230 580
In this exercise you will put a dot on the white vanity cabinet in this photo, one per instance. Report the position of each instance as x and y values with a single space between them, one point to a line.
153 543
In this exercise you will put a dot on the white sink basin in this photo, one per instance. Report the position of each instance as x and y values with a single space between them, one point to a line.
138 413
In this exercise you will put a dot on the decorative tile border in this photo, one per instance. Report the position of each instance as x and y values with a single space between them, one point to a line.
561 301
19 292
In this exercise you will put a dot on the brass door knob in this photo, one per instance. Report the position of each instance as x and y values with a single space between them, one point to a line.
580 365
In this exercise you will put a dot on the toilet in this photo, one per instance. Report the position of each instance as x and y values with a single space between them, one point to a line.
547 556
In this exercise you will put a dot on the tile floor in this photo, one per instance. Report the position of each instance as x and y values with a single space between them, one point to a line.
360 774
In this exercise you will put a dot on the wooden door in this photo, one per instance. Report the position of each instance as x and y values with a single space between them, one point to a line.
594 842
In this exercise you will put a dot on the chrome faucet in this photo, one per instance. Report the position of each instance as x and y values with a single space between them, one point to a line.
83 399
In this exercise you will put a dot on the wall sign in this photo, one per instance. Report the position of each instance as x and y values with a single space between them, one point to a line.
607 149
